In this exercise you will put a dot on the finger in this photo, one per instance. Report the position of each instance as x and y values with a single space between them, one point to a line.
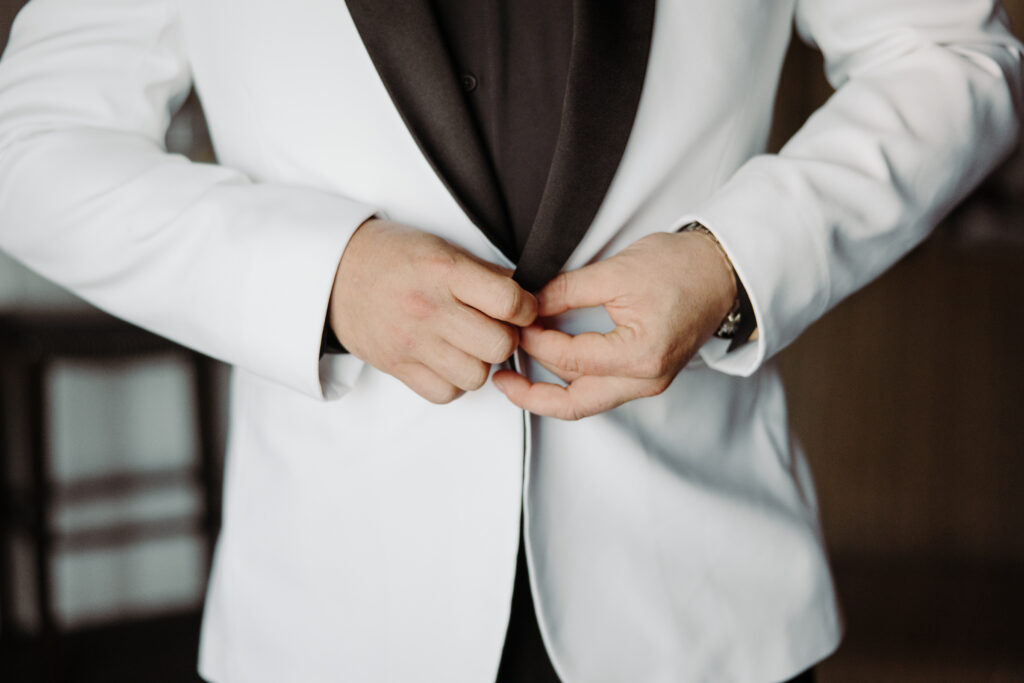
583 397
480 336
593 285
589 353
492 293
455 366
561 374
427 383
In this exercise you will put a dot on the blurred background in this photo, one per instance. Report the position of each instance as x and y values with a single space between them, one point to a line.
906 398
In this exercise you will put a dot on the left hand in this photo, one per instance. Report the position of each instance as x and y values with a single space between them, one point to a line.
666 293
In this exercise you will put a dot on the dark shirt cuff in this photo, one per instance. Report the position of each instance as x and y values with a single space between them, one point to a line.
329 341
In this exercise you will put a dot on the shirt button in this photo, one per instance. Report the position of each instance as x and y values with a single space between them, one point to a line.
469 82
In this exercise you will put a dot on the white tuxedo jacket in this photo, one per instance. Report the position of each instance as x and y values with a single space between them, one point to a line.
371 536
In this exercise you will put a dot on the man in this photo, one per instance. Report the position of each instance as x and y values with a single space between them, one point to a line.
371 535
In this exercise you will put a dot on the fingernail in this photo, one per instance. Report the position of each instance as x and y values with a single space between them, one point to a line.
500 384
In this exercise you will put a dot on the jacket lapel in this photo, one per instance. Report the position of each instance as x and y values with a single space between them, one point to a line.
408 51
611 44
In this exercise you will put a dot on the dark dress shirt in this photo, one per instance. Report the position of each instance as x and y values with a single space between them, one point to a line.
513 60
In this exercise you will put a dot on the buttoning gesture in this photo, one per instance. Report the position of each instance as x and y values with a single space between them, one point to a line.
425 311
667 293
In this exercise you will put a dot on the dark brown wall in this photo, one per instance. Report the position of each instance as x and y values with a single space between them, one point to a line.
907 396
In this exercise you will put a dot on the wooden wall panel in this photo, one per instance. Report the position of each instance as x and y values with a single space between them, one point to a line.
907 399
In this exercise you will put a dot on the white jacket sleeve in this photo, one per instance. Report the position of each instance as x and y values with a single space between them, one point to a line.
90 199
926 103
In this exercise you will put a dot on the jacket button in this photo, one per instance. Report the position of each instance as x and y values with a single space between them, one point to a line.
469 82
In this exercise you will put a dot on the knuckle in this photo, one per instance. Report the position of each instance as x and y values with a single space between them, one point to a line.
443 395
651 365
559 286
503 345
654 388
569 363
402 344
418 305
408 343
510 300
475 377
440 260
390 362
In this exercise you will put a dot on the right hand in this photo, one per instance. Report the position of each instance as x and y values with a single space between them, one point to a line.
425 311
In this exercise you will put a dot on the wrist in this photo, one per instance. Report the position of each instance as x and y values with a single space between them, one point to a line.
349 279
725 282
738 324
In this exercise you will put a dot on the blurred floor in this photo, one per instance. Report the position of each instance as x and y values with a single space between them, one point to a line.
158 650
907 622
910 621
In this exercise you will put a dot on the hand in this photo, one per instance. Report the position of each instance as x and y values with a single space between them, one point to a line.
425 311
667 293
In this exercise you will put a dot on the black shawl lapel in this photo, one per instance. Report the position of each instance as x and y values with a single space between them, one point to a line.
403 40
611 44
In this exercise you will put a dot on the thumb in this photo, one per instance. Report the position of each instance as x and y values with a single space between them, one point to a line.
593 285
